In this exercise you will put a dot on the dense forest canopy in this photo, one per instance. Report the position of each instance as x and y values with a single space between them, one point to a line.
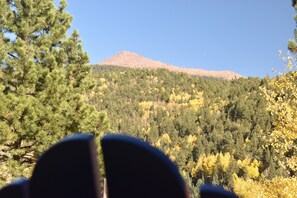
240 134
212 129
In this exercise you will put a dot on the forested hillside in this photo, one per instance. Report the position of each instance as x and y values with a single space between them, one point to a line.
212 129
240 134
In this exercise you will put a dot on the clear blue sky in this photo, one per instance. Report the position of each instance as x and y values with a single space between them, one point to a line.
238 35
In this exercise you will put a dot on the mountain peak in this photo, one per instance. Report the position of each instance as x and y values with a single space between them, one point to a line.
133 60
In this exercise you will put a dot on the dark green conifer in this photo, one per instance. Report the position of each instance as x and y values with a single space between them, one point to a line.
44 83
292 45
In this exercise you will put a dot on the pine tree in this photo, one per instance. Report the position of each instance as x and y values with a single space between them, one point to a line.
292 44
44 83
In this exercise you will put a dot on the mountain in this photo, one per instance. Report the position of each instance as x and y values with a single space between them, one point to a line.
133 60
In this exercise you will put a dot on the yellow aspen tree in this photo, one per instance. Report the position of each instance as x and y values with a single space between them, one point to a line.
281 97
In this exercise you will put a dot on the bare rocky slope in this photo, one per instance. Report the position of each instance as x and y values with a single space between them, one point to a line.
133 60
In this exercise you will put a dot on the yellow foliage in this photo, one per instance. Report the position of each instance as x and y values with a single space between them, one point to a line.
275 188
102 80
225 161
207 164
146 130
247 188
191 139
281 97
165 139
281 187
198 100
196 103
292 163
251 167
146 105
198 166
173 152
179 98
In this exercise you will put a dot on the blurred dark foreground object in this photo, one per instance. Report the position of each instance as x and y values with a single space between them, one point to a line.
136 169
17 189
69 169
209 191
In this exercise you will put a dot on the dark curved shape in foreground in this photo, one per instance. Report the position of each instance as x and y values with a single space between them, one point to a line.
136 169
16 189
209 191
68 169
